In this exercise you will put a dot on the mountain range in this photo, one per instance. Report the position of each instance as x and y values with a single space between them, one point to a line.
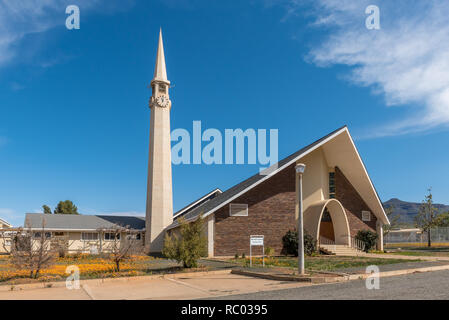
408 210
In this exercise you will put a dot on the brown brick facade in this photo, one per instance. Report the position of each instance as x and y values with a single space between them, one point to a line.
353 204
271 212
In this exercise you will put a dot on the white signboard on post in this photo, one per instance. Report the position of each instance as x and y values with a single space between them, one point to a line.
256 241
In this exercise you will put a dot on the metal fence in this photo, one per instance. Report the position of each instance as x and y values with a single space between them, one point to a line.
438 235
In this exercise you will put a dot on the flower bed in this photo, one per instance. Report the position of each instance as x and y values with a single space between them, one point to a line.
89 267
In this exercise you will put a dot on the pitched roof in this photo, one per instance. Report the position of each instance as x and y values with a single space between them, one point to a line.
5 222
75 222
235 191
191 206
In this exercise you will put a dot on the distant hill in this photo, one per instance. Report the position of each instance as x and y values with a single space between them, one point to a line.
408 210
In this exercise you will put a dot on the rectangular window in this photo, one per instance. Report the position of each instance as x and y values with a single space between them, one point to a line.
88 236
37 235
59 234
238 210
331 185
111 236
366 216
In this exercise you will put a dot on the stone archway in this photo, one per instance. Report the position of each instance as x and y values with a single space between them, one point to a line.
314 213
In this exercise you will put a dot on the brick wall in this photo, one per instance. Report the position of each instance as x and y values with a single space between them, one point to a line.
353 204
271 212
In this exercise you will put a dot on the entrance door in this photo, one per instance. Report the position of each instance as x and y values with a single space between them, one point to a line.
327 227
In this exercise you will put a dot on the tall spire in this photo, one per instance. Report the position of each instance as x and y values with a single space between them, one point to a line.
160 72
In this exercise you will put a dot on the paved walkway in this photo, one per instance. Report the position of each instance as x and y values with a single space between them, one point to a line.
189 287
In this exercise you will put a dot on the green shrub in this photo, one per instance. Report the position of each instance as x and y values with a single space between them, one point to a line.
269 251
290 243
368 238
236 256
243 256
189 246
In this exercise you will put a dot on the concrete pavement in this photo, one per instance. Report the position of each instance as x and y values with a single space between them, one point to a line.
428 285
187 287
222 284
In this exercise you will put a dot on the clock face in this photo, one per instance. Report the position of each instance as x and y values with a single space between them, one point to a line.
163 101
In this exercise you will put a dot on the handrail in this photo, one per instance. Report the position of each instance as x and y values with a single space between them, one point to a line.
328 243
324 240
357 244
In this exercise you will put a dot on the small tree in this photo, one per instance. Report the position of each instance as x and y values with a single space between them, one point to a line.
66 207
368 238
189 246
61 244
32 250
47 209
121 248
427 217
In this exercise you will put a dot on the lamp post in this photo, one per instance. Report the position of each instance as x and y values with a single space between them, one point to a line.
300 168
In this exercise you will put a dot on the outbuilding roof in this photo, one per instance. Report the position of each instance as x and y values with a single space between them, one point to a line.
79 222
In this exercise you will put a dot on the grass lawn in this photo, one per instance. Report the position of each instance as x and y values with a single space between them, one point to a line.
90 267
322 262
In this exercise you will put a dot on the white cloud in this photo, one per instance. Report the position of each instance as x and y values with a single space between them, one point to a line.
6 212
19 18
407 61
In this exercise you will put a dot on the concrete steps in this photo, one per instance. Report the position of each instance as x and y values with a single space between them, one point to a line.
341 250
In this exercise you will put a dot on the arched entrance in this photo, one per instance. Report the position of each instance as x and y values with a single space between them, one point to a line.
327 226
328 219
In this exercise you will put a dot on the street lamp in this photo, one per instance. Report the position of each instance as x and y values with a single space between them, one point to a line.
300 168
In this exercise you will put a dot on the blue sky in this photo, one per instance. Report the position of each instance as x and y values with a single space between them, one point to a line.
74 116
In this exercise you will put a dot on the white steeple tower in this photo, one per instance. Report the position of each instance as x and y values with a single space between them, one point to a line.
159 212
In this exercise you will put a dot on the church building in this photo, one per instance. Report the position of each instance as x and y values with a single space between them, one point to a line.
338 197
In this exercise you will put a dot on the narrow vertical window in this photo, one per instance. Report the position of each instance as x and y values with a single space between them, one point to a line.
331 185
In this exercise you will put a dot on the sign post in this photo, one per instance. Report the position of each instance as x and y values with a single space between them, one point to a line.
256 241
